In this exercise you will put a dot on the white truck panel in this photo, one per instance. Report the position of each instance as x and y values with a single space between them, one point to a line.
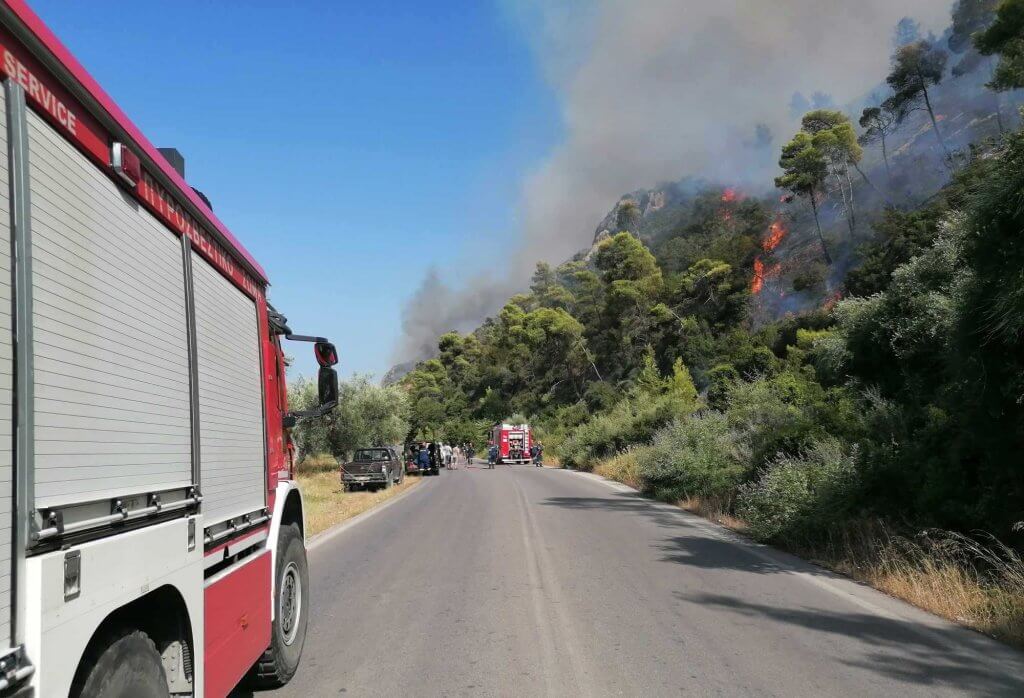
110 336
231 435
115 571
6 384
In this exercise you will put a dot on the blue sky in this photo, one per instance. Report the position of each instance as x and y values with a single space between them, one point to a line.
348 145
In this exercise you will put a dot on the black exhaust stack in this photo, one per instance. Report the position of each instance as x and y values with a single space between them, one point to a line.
177 161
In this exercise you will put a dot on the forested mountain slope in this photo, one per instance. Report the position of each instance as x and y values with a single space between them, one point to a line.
856 330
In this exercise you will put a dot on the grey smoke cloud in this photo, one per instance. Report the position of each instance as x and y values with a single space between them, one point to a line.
436 308
655 90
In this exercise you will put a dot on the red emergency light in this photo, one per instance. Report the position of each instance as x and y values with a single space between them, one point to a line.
126 164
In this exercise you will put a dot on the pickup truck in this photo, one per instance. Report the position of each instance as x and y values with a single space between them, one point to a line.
378 467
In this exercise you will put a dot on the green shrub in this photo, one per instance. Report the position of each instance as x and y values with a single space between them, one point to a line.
830 357
589 441
797 498
784 414
760 361
772 416
721 379
629 422
696 456
601 396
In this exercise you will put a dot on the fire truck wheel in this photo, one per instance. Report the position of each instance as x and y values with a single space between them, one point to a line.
126 665
288 633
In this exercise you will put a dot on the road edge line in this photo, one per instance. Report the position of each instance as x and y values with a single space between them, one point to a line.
768 553
827 580
337 529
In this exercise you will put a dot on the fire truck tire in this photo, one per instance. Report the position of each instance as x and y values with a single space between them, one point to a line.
125 666
288 632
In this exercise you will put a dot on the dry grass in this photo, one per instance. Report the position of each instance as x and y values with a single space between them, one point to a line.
714 509
328 504
976 582
317 463
623 467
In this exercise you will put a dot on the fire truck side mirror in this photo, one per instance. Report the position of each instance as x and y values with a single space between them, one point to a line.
328 388
326 354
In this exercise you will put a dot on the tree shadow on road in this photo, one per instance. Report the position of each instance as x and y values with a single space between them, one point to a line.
700 543
721 554
943 658
628 502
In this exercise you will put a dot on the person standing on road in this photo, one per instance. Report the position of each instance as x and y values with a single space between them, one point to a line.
423 458
534 451
456 456
540 455
492 456
446 452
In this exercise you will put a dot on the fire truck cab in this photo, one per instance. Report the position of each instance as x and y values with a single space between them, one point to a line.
151 532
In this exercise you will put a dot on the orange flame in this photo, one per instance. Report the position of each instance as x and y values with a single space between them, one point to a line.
729 195
762 274
776 231
757 283
831 301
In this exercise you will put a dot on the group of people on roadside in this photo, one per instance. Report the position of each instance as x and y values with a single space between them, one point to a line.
449 456
430 454
452 455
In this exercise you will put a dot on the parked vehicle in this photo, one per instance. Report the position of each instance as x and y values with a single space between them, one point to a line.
150 517
513 442
373 467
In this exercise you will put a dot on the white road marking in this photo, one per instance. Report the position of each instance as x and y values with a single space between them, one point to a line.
336 530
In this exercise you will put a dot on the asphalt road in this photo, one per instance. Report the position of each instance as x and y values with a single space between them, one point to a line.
522 581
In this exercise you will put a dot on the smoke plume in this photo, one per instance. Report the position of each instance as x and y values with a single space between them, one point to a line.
656 90
436 308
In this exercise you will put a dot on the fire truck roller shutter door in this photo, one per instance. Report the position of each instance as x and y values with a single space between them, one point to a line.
110 353
232 441
6 387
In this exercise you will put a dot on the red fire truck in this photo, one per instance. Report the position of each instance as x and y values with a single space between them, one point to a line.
151 533
513 442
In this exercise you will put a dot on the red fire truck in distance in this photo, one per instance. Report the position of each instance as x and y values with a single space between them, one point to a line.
151 532
513 442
